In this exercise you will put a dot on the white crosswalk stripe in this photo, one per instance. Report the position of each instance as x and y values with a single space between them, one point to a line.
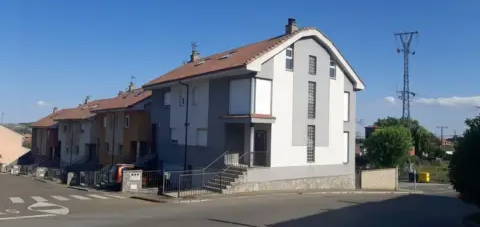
97 196
79 197
39 199
116 196
16 200
60 198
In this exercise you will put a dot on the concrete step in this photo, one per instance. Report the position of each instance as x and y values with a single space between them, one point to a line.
217 185
213 189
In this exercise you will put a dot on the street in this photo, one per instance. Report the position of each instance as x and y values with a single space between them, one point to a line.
28 202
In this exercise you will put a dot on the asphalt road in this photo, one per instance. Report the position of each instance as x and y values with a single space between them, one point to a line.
282 209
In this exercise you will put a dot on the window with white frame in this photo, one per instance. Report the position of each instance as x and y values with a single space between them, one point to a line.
333 69
166 98
312 65
346 139
346 106
127 121
239 96
289 58
201 137
181 98
312 99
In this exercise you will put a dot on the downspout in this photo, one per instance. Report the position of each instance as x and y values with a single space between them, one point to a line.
186 126
71 144
113 136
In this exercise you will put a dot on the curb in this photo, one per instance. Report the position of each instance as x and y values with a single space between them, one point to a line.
79 188
148 199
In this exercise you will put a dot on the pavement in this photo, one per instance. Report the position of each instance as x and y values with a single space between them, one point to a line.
433 208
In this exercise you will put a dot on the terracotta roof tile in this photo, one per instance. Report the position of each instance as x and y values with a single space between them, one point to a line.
124 100
225 60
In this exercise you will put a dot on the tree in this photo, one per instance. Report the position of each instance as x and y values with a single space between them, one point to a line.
464 168
388 146
425 142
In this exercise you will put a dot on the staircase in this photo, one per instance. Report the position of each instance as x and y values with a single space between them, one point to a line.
226 178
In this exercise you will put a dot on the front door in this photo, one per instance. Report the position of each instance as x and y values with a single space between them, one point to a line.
260 155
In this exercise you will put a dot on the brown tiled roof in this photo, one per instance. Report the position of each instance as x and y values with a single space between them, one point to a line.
236 57
124 100
47 121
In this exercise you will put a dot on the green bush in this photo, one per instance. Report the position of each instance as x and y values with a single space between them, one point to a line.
388 147
464 169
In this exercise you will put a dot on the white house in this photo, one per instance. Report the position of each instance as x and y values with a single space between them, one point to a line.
284 107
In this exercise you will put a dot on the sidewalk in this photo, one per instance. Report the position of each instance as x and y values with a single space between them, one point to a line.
218 196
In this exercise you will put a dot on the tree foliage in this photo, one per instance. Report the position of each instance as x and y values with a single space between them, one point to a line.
465 164
388 146
426 143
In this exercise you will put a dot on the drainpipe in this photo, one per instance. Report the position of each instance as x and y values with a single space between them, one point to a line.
113 136
186 126
71 144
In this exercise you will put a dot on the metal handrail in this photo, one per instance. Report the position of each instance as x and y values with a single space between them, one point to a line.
215 160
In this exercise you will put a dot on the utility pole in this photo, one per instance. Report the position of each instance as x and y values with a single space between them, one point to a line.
441 134
406 40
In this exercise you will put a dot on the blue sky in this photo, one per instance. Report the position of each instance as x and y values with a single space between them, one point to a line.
54 53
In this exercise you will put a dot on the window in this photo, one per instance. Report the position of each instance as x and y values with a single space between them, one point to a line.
107 147
65 128
181 98
166 98
127 121
263 99
312 90
201 137
289 59
239 96
346 139
77 150
312 65
311 143
333 69
194 96
346 106
105 121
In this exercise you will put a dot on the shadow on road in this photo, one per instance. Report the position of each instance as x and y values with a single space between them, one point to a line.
411 210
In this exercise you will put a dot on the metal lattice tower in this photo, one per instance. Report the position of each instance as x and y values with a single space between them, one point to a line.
405 95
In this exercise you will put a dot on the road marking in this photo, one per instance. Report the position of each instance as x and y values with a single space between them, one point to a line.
16 200
26 217
12 211
79 197
49 208
60 198
39 199
117 196
97 196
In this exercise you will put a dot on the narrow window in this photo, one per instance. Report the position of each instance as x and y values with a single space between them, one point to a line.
346 106
333 69
166 98
312 65
289 59
346 138
105 121
127 121
312 91
311 143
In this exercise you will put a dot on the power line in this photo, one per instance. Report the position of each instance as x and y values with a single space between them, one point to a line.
406 40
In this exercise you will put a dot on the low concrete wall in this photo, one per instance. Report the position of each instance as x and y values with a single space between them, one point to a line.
329 182
380 179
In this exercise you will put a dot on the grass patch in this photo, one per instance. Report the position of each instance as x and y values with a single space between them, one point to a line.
438 171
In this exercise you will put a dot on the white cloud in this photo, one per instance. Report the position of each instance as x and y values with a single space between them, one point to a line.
450 101
390 99
41 103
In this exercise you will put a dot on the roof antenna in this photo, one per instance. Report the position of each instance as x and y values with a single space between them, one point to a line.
131 85
86 99
195 54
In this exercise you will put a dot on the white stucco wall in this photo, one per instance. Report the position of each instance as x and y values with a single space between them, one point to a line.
282 152
198 113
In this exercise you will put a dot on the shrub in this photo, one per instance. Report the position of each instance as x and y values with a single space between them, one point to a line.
388 147
464 168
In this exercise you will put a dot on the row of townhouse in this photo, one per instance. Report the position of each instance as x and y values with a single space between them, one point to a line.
284 108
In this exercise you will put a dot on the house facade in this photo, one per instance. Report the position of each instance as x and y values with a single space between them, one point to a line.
284 107
45 144
124 129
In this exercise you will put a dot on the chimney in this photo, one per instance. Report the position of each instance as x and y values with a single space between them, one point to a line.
291 27
195 56
131 87
86 99
54 109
